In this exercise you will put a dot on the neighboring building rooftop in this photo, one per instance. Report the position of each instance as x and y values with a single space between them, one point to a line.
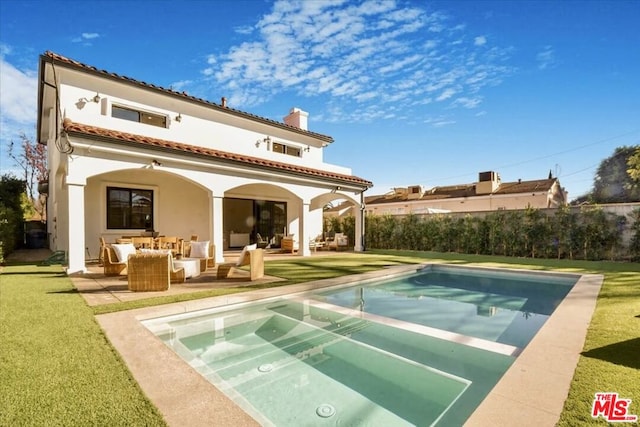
463 190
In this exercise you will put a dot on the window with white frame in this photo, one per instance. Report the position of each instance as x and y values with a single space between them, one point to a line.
139 116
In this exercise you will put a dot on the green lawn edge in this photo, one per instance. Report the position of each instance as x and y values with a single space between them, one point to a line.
58 368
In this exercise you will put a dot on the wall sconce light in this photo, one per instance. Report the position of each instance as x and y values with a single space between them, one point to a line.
83 101
178 118
307 149
266 140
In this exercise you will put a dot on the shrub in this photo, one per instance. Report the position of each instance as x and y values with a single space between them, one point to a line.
591 234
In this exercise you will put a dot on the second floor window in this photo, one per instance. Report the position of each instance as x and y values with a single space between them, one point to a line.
139 116
285 149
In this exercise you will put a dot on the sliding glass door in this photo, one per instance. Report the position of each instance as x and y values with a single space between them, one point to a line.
271 222
254 221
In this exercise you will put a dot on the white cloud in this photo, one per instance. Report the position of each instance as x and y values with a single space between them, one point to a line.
17 104
4 49
446 94
439 121
546 58
468 102
85 37
19 93
244 30
363 55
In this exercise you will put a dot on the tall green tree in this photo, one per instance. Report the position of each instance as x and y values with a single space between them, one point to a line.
633 164
12 191
613 182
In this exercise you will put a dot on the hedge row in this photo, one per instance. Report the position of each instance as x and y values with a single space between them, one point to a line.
591 234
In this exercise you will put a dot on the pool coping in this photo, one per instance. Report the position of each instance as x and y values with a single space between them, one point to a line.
532 391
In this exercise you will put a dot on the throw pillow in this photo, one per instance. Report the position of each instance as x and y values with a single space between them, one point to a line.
123 250
244 253
199 249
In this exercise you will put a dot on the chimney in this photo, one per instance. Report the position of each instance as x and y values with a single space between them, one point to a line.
488 182
224 102
297 118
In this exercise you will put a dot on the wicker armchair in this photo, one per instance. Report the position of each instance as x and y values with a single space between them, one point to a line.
206 262
254 258
152 272
103 243
339 242
112 266
289 244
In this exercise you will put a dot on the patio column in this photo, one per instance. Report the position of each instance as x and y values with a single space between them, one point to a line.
218 234
359 231
76 249
303 240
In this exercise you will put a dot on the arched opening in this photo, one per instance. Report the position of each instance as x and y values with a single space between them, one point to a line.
258 213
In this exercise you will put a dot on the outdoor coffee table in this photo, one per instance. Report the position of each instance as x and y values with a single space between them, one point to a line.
191 266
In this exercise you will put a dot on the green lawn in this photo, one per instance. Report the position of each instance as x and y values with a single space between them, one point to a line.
57 368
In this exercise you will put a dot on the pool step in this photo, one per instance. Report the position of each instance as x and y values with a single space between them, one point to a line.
307 347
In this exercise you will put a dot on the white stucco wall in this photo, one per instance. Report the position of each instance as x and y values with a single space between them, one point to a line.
198 125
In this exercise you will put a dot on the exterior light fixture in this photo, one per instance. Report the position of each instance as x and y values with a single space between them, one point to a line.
266 140
96 98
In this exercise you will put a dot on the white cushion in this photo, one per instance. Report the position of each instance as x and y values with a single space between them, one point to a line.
244 253
154 251
123 250
199 249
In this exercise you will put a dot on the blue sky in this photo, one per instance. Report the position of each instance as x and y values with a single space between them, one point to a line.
413 92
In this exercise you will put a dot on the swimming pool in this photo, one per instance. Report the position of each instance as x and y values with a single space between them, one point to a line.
421 349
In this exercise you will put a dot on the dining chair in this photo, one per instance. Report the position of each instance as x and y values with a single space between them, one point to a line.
169 242
142 242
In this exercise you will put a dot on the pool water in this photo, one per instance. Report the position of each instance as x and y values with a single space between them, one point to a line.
504 307
421 349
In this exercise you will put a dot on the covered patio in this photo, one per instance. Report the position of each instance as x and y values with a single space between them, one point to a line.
98 289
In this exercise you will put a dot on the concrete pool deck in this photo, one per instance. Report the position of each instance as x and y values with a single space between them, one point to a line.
531 393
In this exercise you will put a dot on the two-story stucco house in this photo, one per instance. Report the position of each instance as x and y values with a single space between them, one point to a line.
127 157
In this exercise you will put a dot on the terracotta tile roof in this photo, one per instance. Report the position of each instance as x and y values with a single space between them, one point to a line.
49 56
466 190
73 128
526 186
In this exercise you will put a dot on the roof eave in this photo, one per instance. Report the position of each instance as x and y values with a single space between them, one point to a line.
178 95
359 186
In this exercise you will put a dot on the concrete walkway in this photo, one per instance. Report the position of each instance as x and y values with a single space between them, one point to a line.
29 255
